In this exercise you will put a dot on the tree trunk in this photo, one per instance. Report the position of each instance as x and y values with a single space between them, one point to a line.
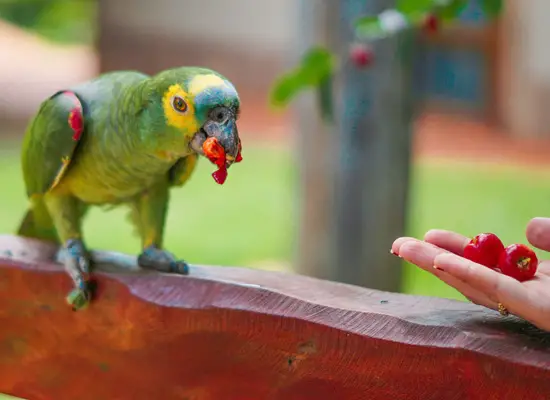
355 171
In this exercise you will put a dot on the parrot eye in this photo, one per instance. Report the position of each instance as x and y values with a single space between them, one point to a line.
179 104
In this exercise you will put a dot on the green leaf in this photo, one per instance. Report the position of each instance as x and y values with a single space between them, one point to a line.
315 67
368 27
414 6
284 89
447 10
451 10
492 7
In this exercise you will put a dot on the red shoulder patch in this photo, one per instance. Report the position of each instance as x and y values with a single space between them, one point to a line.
76 119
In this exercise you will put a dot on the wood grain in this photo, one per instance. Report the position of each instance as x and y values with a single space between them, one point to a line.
235 333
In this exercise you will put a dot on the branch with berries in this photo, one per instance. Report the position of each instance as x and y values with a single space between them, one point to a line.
319 64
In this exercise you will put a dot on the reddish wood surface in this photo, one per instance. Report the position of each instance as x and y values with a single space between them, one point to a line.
233 333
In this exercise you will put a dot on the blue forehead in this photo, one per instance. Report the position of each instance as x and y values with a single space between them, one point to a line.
225 95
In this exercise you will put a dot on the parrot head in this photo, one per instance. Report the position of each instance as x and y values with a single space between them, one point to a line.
198 103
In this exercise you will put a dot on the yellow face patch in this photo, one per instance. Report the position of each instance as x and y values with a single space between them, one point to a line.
202 82
185 122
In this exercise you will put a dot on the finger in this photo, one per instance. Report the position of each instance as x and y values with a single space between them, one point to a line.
423 255
420 253
543 268
474 295
498 287
452 241
538 233
397 243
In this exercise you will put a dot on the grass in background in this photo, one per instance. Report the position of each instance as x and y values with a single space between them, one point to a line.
252 218
8 397
248 219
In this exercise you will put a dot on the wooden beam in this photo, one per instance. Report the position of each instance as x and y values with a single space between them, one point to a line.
229 333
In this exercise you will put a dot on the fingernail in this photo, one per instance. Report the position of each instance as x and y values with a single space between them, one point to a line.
394 253
439 268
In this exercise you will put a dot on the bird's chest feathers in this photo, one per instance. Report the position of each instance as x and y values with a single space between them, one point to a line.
111 171
169 157
118 180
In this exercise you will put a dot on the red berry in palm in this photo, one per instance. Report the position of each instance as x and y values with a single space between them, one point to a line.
518 261
361 55
484 249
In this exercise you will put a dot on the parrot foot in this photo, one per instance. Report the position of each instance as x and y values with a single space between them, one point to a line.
162 260
77 265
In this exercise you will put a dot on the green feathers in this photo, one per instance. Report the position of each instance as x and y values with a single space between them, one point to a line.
121 138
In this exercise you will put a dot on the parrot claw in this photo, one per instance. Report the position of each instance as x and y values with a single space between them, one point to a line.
78 299
161 260
77 265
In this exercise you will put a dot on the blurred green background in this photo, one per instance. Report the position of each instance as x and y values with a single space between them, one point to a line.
62 21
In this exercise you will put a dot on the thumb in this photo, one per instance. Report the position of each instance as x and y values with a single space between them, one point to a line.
538 233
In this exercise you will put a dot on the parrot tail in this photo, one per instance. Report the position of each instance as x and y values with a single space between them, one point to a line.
37 223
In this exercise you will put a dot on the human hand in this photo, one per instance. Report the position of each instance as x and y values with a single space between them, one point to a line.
441 254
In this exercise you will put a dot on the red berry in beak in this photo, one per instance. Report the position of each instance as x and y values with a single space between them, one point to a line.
213 149
220 175
215 152
239 156
519 262
484 249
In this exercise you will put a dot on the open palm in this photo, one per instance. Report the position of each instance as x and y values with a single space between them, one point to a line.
441 253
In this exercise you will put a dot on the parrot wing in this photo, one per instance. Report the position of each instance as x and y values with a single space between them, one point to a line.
182 170
51 141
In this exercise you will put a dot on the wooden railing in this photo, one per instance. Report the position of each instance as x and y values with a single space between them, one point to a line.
236 333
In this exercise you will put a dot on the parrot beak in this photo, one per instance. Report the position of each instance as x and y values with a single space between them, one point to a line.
227 135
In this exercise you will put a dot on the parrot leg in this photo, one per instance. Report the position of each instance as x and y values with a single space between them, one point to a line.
67 213
149 214
155 258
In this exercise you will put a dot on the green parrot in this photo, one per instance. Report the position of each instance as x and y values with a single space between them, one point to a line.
122 138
